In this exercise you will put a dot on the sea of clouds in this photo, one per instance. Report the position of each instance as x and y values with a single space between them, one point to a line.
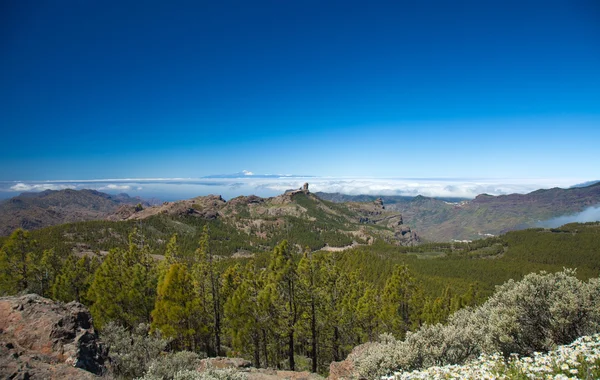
169 189
590 214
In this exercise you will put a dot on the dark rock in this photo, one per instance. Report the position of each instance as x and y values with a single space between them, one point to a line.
43 339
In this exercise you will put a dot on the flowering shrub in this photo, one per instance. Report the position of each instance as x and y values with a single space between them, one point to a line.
522 317
578 360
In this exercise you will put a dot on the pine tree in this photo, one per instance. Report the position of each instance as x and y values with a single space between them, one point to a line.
175 306
75 278
309 282
280 295
48 270
243 314
18 258
334 284
124 286
396 301
208 287
366 310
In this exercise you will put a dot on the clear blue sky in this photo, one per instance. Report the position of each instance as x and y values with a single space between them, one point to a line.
127 89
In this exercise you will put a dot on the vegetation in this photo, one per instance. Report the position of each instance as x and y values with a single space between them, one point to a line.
532 315
284 309
578 360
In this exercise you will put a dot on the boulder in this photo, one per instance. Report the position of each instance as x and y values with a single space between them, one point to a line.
345 370
40 338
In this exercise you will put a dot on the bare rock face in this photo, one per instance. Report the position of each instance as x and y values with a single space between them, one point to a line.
43 339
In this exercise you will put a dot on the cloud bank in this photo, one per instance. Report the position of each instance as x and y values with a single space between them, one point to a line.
35 187
590 214
181 188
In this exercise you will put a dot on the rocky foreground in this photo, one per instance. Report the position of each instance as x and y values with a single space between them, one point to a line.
43 339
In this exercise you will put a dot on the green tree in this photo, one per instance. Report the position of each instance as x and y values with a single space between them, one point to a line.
243 314
334 284
309 282
397 305
280 295
175 306
124 287
48 270
366 313
75 278
18 258
208 287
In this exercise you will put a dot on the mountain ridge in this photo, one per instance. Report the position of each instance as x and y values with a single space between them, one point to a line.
52 207
440 220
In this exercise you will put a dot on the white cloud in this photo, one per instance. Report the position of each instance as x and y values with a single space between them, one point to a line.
448 188
25 187
172 188
246 172
112 186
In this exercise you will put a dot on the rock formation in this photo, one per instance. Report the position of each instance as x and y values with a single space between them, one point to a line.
345 369
43 339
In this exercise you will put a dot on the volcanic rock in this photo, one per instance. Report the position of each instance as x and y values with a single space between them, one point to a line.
43 339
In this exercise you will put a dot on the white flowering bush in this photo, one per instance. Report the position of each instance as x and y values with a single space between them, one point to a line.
522 317
578 360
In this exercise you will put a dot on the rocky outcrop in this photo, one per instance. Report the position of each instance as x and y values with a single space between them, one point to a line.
303 189
207 207
43 339
345 370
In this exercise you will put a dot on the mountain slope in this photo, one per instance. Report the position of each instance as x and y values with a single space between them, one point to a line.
37 210
440 220
299 216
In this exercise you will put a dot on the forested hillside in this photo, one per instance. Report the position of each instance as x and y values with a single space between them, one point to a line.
210 288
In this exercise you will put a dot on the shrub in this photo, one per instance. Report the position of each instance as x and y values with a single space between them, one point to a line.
211 374
131 352
535 314
166 366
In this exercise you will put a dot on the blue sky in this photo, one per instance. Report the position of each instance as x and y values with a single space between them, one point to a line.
404 89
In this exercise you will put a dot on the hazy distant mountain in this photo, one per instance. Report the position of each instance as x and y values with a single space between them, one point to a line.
585 184
443 220
52 207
